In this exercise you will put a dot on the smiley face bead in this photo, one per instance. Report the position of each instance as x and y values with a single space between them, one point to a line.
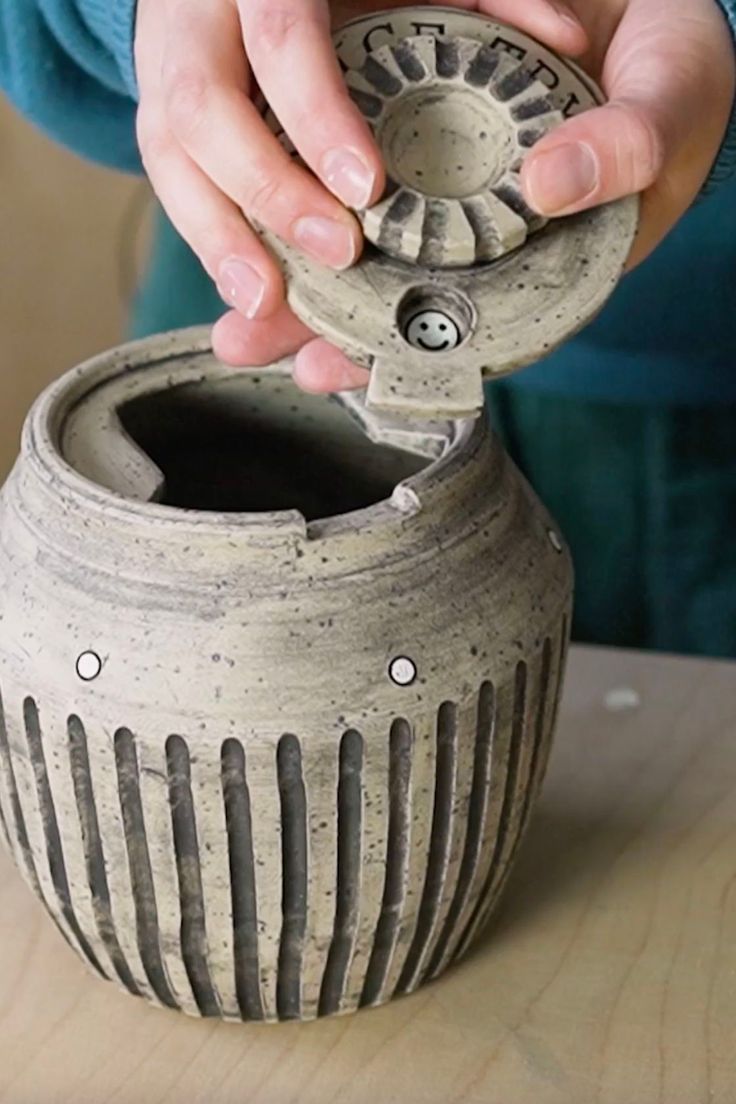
433 331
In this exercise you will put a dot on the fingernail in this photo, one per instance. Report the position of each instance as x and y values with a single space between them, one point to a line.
241 286
348 177
328 241
561 178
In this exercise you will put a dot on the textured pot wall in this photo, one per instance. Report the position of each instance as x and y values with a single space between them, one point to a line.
243 815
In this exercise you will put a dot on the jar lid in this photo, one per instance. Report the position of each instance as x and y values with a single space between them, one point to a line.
459 281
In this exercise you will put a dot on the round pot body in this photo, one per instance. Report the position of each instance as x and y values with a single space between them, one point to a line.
277 688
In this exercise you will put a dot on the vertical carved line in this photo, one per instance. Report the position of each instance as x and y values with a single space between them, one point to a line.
477 809
439 840
561 666
54 848
544 731
540 735
294 885
512 775
19 832
4 830
349 825
139 865
186 849
242 879
93 854
397 857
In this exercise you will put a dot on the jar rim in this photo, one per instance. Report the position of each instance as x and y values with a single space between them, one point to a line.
41 446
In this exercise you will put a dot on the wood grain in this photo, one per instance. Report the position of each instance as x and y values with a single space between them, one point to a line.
607 977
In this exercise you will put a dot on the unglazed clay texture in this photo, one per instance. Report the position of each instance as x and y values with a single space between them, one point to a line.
277 690
453 118
455 101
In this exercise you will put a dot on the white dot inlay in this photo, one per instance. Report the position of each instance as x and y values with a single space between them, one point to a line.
89 666
402 671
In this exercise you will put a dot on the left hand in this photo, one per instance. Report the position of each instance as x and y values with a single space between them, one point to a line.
669 74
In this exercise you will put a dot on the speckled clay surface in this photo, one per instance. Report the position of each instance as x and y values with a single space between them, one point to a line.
455 100
270 730
453 118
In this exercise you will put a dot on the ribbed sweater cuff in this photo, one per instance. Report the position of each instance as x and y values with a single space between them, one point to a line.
113 22
725 164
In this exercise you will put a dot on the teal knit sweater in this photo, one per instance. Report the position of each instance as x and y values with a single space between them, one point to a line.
68 66
668 334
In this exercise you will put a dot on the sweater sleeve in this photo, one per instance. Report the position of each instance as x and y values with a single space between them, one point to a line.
725 165
68 66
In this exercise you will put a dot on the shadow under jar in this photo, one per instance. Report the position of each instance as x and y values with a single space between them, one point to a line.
278 681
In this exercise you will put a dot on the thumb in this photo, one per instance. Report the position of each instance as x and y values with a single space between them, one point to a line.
670 84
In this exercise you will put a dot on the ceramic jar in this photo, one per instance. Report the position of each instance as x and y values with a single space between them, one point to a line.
278 682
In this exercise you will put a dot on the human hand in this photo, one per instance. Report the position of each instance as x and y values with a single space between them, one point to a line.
669 76
211 158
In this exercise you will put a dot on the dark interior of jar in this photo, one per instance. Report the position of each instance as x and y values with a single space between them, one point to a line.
252 444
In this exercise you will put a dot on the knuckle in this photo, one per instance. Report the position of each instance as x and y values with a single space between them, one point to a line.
153 140
643 152
263 196
219 240
273 25
185 96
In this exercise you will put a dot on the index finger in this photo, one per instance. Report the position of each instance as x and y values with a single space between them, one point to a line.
290 50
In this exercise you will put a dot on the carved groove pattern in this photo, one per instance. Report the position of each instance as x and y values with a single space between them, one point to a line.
397 850
294 880
459 223
437 861
477 808
242 879
13 818
348 872
54 848
93 854
139 860
450 804
193 929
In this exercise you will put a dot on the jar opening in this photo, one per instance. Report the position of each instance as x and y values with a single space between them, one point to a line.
255 443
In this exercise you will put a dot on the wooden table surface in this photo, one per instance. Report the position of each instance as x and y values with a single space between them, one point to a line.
607 977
